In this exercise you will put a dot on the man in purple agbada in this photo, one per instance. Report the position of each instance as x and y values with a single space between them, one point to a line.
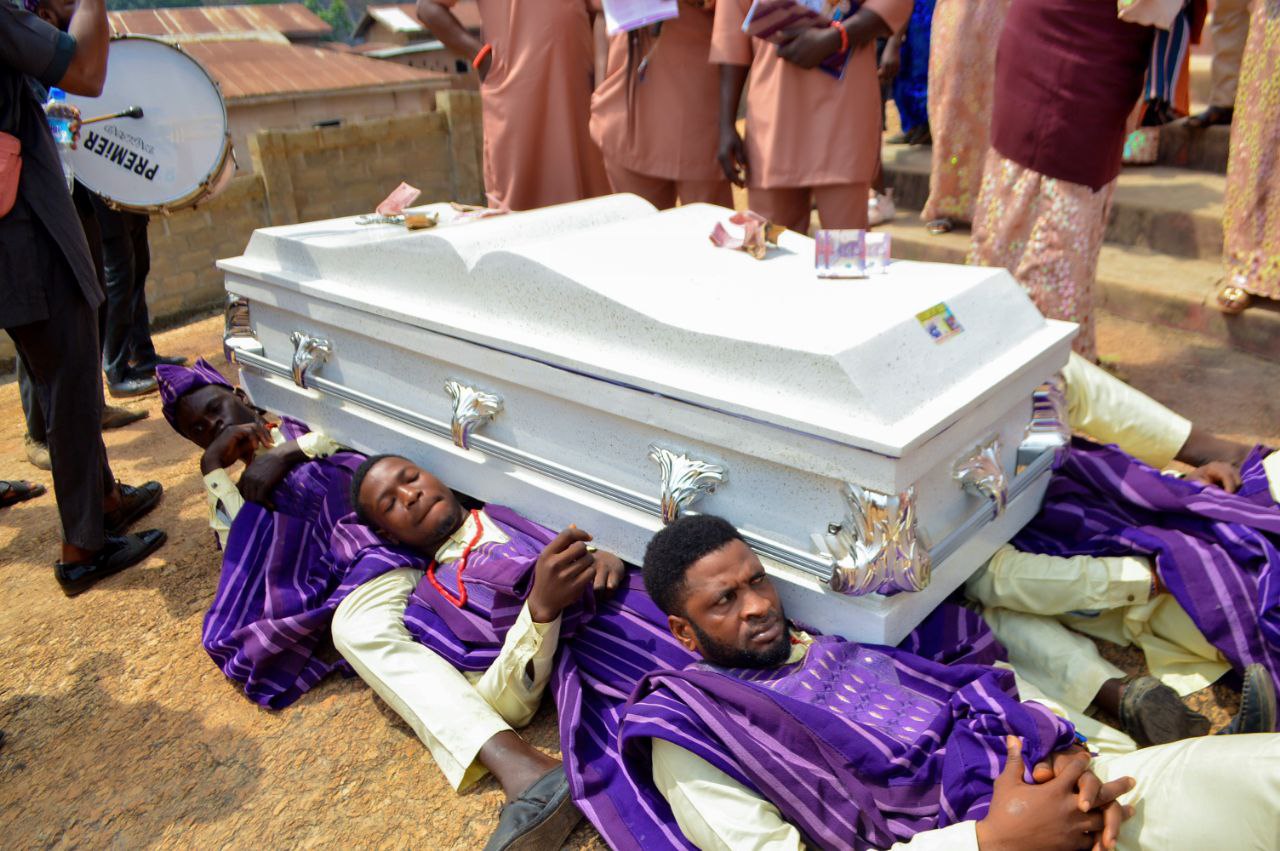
779 739
284 529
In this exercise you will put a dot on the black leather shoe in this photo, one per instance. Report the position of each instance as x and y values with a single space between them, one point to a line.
115 416
1151 713
1257 704
131 385
541 818
149 366
120 551
134 503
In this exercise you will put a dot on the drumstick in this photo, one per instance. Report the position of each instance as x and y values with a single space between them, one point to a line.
131 112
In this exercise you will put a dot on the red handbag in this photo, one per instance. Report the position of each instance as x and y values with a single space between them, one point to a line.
10 171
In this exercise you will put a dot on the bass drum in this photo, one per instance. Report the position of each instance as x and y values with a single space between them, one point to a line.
177 154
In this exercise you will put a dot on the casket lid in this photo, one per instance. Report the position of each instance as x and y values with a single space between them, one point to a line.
613 289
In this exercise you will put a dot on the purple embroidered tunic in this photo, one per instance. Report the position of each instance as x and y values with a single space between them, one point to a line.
1217 553
858 746
284 572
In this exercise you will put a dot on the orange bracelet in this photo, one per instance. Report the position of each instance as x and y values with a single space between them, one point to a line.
844 36
483 54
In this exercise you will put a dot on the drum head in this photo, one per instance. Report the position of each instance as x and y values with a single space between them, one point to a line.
163 159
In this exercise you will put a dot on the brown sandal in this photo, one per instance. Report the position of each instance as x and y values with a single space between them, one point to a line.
939 226
12 493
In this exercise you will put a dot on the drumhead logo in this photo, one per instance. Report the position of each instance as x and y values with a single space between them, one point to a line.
120 156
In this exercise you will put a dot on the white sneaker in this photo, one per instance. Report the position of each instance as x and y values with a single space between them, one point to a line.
880 208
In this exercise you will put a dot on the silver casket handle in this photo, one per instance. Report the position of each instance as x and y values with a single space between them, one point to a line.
1049 429
982 474
237 329
878 548
307 352
472 407
684 479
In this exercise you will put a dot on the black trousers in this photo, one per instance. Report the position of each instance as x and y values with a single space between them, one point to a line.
62 360
83 199
126 257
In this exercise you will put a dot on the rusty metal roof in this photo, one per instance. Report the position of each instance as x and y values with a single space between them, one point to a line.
293 20
402 18
252 69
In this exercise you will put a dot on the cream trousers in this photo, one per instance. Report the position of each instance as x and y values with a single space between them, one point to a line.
453 714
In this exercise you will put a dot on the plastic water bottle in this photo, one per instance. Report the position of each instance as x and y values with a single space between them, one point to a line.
61 128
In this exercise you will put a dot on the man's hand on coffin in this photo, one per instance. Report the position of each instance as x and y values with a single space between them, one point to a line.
610 573
1219 474
1091 792
268 470
808 46
234 443
562 574
1038 817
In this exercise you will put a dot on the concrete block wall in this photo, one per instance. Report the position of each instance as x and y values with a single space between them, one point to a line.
304 175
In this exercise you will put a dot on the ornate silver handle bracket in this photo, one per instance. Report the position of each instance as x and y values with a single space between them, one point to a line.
1049 429
472 408
877 549
308 351
684 479
237 329
982 474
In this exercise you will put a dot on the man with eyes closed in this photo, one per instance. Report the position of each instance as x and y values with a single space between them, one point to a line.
460 637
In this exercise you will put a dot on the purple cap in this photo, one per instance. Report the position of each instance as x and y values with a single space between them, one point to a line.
178 381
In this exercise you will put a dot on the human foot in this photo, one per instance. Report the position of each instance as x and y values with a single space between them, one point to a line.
1151 713
119 552
542 817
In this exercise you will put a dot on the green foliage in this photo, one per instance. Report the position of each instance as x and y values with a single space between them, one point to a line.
334 14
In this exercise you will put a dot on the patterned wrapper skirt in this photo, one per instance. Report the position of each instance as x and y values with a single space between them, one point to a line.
1251 220
1047 233
962 78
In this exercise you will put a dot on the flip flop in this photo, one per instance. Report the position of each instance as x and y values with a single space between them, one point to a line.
12 493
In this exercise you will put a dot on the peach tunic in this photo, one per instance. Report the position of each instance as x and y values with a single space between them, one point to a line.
536 102
671 130
804 127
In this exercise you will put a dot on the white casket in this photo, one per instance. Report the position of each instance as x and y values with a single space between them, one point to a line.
601 363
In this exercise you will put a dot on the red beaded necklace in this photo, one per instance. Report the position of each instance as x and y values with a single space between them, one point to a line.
461 599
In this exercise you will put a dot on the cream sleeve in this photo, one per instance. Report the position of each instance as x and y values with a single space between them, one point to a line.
717 813
225 503
315 444
1104 407
514 683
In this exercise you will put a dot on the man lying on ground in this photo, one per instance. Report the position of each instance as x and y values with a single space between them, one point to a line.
395 635
1128 568
290 563
778 738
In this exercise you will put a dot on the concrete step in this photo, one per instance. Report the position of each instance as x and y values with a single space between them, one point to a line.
1134 283
1201 150
1170 210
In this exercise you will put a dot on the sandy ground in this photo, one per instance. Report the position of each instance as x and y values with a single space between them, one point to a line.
122 733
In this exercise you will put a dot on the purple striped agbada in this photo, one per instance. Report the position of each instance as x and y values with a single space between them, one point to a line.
607 647
284 572
1217 553
857 746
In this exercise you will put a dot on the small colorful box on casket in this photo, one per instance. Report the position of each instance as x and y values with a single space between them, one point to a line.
601 363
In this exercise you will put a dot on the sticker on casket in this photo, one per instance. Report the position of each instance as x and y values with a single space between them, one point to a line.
940 323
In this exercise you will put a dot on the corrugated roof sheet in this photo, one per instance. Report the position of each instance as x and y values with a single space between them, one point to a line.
246 69
402 17
289 19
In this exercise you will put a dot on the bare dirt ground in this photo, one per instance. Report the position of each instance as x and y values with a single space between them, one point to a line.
121 732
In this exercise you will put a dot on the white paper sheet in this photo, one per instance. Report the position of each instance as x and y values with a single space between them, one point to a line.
626 15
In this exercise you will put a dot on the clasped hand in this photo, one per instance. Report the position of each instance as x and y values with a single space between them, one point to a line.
1067 808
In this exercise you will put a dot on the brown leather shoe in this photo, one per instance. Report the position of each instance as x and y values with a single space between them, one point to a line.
115 416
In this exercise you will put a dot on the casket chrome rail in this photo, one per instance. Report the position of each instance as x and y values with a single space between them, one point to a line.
246 351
